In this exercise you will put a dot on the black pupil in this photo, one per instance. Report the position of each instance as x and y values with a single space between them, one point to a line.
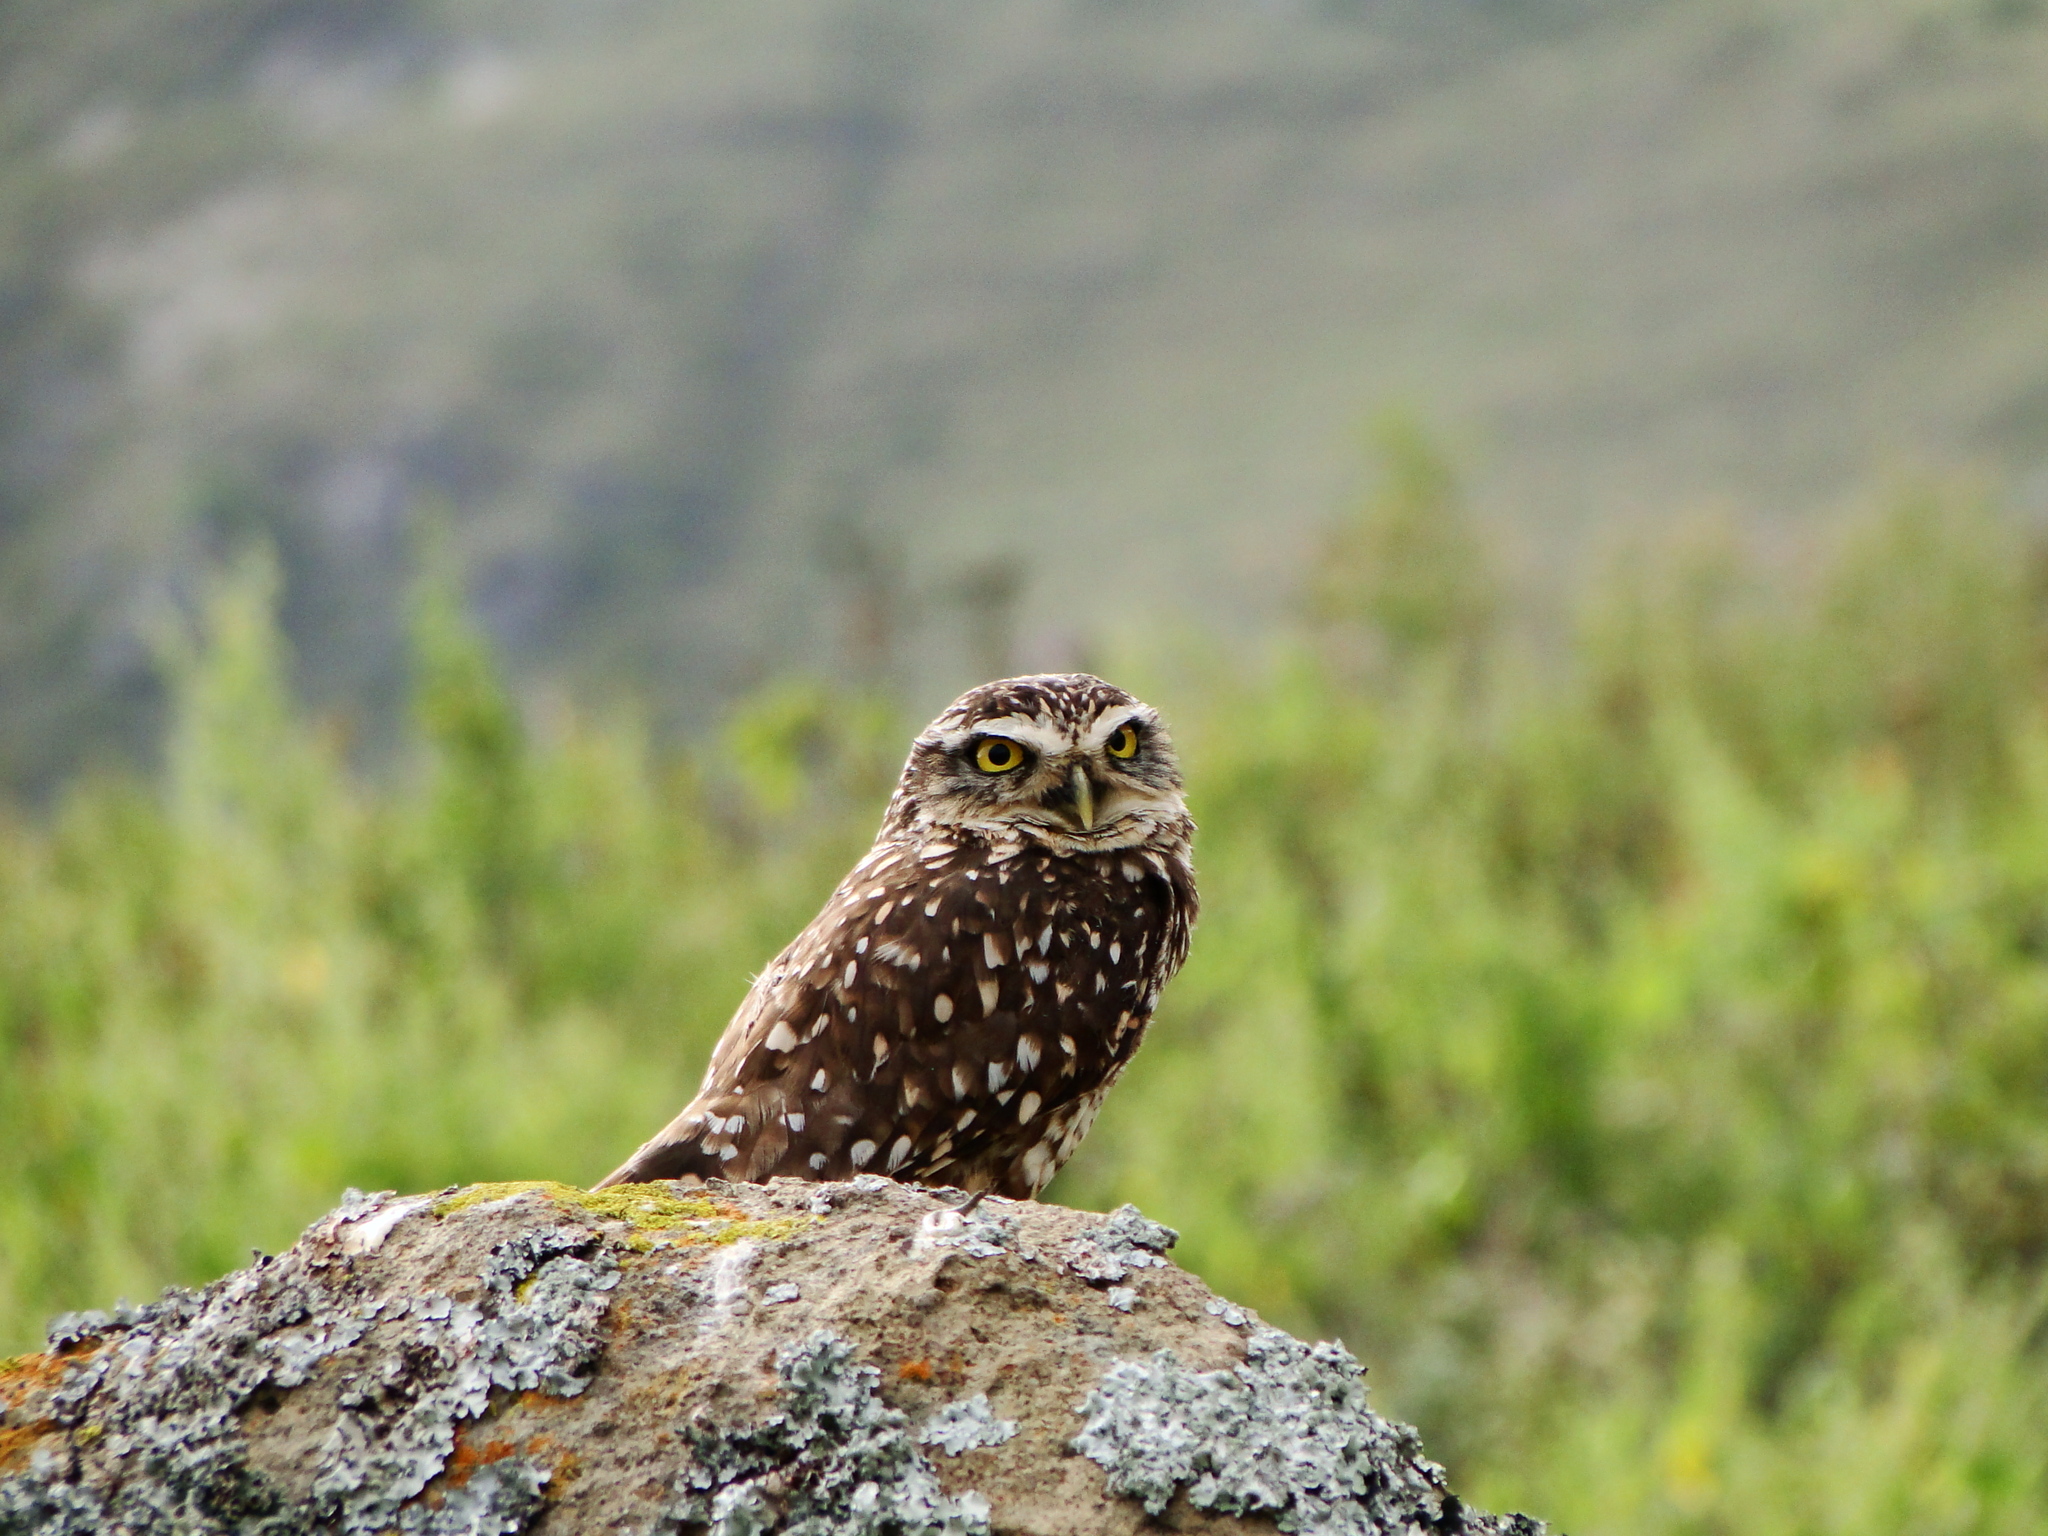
999 753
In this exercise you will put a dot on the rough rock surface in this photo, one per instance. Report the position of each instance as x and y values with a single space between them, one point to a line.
854 1359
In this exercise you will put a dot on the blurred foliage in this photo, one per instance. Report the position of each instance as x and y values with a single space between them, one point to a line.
1641 1062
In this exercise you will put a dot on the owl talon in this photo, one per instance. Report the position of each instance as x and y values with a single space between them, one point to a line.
971 1202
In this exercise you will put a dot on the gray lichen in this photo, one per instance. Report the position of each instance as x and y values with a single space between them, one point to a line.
965 1426
1129 1229
1287 1434
1128 1240
164 1393
834 1461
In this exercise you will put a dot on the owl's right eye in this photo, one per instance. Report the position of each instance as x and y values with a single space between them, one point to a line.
998 754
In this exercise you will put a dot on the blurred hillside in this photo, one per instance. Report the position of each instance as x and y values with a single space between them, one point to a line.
919 340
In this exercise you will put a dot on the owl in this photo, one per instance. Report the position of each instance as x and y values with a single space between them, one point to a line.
978 982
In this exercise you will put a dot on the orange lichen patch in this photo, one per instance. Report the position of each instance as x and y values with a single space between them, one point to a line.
25 1373
563 1466
15 1444
25 1376
468 1458
914 1370
533 1397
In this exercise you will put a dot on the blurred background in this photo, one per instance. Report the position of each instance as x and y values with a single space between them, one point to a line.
489 487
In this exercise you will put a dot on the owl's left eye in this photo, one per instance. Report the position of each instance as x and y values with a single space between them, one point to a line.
998 754
1124 743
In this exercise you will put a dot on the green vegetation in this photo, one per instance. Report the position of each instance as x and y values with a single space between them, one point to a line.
1640 1057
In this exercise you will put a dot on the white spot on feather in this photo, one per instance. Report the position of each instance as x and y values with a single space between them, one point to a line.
860 1152
852 971
1116 952
793 1120
819 1081
989 989
998 1074
1027 1052
1039 971
898 1152
992 950
817 1160
1027 1107
1039 1167
942 1007
781 1037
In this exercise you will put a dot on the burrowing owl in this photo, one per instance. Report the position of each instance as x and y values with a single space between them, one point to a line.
978 982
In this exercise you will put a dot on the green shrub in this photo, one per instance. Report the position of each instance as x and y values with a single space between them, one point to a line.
1640 1058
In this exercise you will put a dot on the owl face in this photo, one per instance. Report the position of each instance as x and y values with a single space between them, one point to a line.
1066 761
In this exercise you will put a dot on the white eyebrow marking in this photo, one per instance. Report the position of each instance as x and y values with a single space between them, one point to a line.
1027 730
1113 720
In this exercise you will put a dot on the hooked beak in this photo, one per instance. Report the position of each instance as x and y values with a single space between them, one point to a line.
1084 797
1073 799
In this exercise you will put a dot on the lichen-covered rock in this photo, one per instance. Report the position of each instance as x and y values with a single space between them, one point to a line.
804 1358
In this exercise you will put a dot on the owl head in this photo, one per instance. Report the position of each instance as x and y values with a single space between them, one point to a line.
1064 760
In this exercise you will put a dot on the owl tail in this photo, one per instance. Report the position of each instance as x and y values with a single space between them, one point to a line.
673 1153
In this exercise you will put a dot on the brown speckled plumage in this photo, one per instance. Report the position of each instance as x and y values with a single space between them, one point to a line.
975 985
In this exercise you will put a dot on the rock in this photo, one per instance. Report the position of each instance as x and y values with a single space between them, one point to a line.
853 1359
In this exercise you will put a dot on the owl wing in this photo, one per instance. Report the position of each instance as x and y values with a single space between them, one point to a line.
941 1009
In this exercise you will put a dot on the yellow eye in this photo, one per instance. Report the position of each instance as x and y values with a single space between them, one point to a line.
1124 743
995 755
